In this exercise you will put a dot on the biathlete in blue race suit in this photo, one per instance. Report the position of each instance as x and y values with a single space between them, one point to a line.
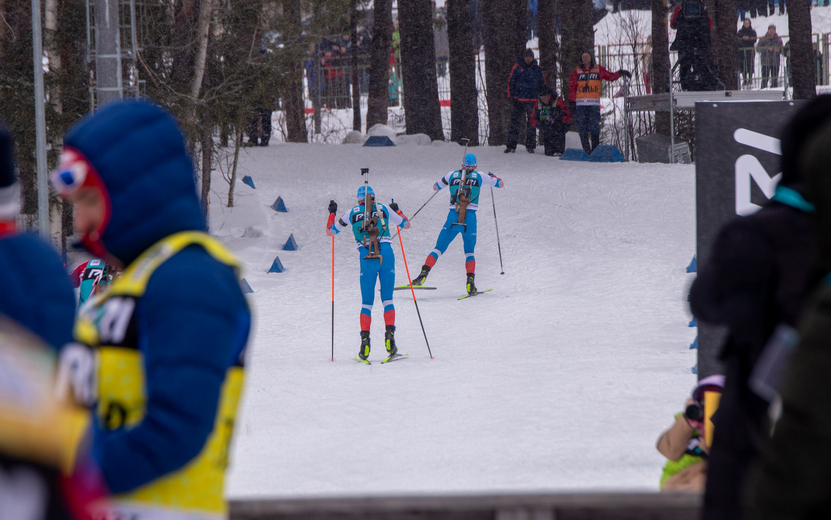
474 182
371 268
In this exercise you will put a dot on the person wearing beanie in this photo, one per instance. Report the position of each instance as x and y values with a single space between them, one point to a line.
584 92
465 185
791 478
551 117
168 337
370 222
523 86
40 433
756 279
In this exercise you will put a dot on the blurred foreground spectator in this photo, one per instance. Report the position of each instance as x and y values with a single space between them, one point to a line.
793 478
167 339
756 279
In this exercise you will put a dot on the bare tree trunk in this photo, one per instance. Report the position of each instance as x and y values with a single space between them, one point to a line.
202 34
207 156
51 12
464 106
379 66
293 100
576 36
549 48
504 24
725 45
233 182
356 86
660 61
802 55
418 69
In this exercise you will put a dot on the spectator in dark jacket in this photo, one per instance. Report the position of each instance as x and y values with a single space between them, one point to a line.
551 117
747 54
692 41
759 272
523 88
792 479
770 47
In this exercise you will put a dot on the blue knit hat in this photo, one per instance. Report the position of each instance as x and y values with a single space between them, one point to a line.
362 192
470 160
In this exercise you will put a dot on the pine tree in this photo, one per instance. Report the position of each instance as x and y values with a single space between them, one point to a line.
464 98
504 26
802 54
418 69
660 61
379 64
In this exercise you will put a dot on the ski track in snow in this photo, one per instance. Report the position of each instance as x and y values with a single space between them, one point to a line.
561 378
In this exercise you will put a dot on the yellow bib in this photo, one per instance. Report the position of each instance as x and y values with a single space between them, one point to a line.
107 324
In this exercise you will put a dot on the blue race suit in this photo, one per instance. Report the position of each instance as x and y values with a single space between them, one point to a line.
474 180
382 269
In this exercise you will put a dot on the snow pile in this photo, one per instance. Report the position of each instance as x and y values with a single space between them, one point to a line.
413 140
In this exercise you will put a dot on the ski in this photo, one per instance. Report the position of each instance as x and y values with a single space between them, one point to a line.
364 361
402 287
394 357
474 294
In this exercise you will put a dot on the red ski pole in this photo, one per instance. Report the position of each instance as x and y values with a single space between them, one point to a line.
333 297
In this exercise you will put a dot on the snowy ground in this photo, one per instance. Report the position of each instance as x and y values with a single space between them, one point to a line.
562 378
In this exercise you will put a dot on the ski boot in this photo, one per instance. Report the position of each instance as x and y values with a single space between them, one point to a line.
471 289
389 341
364 352
420 279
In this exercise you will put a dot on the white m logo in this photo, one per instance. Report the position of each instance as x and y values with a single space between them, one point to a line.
748 167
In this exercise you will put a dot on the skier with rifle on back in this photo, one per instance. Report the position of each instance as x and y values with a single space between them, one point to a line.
370 222
465 185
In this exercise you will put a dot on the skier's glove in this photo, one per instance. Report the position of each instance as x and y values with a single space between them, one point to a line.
333 207
394 206
625 73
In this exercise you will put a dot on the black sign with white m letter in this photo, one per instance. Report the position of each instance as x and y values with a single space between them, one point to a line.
737 168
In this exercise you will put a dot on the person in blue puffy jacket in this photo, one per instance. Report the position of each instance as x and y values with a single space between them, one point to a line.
523 88
37 311
168 336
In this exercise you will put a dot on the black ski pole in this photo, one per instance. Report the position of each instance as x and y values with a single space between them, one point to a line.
416 213
414 298
501 267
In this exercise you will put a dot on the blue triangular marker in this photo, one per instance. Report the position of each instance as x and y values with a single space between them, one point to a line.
692 268
693 323
279 206
606 153
575 154
246 288
291 244
378 140
695 369
694 344
277 266
249 181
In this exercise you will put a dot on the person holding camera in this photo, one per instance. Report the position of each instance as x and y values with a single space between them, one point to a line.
684 444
